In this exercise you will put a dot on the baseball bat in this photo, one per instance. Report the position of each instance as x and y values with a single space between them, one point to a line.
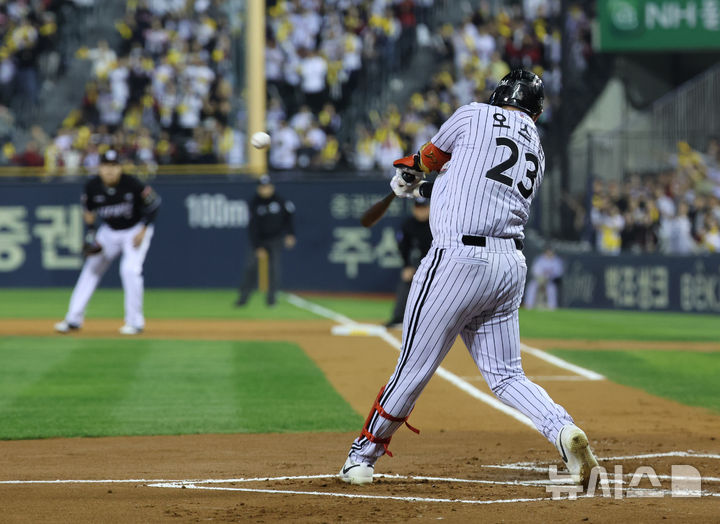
376 211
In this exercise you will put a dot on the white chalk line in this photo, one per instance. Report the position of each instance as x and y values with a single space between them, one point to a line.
395 343
153 482
318 309
459 382
536 378
353 495
540 469
666 454
660 454
563 364
522 466
342 319
636 492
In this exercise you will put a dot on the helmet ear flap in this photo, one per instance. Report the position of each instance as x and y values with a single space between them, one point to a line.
493 98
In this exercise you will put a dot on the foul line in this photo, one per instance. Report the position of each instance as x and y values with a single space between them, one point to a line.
318 310
442 372
563 364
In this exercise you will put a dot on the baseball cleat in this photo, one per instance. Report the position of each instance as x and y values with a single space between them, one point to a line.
130 330
573 445
356 472
66 327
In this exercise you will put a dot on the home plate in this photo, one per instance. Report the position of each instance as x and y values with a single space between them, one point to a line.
358 330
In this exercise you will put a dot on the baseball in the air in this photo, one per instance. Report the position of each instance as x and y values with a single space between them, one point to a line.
260 140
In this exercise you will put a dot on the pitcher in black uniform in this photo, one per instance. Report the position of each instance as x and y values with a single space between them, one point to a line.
270 229
127 208
414 240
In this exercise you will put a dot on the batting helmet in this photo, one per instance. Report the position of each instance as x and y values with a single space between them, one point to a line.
521 89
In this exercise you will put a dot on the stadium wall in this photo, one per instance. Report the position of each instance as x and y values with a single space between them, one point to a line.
689 284
201 235
201 241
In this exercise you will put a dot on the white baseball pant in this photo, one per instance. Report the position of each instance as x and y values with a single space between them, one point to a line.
114 242
474 292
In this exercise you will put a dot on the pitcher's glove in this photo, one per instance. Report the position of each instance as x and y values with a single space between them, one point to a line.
90 245
404 183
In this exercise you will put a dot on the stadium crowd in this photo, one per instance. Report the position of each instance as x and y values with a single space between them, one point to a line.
164 95
315 56
476 56
674 212
28 55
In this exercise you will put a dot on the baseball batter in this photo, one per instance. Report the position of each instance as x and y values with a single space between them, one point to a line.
471 281
127 208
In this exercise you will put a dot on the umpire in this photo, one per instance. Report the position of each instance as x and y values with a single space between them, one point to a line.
414 240
270 229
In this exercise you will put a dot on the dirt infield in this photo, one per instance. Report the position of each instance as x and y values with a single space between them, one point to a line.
207 477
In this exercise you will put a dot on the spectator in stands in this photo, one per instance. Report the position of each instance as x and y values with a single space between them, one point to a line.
329 118
676 232
710 234
364 154
313 74
31 157
7 124
302 120
285 145
638 234
102 58
608 223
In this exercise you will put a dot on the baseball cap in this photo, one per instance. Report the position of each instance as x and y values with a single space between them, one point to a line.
110 157
420 201
264 180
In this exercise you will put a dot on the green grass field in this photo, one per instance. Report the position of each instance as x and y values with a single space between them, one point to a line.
212 303
71 387
67 386
684 376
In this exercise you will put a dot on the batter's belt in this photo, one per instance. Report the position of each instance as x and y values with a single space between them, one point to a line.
470 240
491 244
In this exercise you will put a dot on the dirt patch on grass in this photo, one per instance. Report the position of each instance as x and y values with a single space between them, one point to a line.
460 437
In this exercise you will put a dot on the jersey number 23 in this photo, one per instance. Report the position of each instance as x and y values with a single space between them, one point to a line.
496 173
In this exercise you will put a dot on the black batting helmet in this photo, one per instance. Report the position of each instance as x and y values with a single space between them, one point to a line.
521 89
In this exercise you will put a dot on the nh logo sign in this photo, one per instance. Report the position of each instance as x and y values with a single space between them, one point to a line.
670 15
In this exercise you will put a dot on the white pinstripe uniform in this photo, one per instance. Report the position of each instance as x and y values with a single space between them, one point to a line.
462 288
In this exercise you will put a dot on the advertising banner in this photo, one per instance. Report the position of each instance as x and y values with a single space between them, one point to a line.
646 283
657 25
201 235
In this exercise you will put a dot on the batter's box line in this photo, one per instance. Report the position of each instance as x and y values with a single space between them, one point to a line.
684 454
183 485
353 495
204 484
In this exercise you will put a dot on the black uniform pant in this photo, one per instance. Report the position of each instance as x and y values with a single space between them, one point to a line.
250 275
401 297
